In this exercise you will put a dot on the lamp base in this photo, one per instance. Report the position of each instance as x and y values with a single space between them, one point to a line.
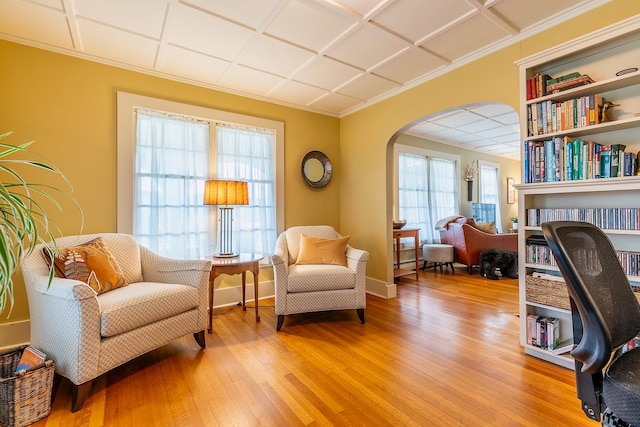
227 255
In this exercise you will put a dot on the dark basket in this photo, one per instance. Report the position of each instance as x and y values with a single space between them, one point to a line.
25 397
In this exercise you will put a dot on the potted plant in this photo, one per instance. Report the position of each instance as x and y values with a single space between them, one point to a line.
514 221
23 218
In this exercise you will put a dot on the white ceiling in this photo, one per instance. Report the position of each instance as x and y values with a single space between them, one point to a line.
328 56
489 128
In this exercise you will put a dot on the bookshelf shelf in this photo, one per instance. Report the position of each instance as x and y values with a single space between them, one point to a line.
599 55
602 86
616 125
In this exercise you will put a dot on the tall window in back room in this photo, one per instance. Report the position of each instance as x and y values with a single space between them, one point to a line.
489 191
427 189
173 149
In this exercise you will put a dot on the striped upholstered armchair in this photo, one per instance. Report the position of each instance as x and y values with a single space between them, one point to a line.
316 270
89 324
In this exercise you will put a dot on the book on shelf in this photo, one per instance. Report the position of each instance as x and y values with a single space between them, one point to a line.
562 78
616 152
569 84
553 116
629 164
537 86
563 159
30 357
543 331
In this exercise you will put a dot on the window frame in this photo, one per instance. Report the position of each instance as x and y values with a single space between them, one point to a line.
496 166
127 103
398 148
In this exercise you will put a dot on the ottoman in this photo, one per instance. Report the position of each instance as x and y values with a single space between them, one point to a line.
438 254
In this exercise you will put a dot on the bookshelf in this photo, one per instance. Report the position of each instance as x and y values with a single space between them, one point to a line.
561 194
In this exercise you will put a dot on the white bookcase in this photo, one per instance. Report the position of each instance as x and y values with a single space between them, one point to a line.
600 55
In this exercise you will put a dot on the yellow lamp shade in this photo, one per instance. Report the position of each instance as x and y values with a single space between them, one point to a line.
222 192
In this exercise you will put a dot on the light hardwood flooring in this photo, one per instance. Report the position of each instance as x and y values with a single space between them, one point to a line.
445 352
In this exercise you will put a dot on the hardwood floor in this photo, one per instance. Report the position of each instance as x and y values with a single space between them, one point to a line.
444 353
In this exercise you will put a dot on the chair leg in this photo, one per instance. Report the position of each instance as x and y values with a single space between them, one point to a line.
280 322
79 394
199 336
469 268
360 312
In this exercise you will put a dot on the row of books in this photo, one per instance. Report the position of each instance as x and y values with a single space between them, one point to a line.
541 254
543 84
543 332
563 159
550 116
606 218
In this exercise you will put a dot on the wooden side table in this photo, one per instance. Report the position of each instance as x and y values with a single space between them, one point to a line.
235 265
397 235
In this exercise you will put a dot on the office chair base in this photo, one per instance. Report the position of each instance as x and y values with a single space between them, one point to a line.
609 419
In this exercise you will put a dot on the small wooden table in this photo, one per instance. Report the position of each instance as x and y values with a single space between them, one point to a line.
397 235
235 265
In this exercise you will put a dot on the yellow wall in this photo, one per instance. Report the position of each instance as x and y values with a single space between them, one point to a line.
366 151
68 106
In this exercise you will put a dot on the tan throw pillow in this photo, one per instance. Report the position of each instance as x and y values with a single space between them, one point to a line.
91 263
487 227
315 250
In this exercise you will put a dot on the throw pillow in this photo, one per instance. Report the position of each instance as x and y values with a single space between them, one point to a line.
315 250
487 227
91 263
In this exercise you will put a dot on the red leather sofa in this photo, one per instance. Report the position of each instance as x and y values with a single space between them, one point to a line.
468 241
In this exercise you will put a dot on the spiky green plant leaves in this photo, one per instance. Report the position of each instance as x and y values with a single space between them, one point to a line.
23 220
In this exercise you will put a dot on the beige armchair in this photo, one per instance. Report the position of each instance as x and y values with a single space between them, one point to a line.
303 288
88 334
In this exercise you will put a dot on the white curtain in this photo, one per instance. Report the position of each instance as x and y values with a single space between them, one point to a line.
171 165
489 191
248 154
426 192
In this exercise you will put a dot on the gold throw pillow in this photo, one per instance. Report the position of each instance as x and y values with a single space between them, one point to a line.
487 227
315 250
91 263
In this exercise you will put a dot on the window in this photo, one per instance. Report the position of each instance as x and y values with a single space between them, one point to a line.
489 191
166 151
427 189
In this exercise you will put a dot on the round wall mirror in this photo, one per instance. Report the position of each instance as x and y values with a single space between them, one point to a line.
316 169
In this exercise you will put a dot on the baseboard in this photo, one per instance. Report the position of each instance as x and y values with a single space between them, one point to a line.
231 296
14 334
380 289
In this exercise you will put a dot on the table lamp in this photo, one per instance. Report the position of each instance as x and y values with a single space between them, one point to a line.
225 193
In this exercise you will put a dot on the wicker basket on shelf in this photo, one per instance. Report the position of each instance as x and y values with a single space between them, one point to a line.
25 397
553 293
547 292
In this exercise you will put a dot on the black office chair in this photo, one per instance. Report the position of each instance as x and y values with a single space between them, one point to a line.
605 316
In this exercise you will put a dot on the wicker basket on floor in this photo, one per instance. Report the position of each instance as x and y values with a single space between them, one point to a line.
25 397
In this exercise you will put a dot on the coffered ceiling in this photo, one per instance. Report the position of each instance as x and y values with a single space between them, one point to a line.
328 56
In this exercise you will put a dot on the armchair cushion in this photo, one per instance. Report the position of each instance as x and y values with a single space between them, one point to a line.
143 303
91 263
310 278
316 250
